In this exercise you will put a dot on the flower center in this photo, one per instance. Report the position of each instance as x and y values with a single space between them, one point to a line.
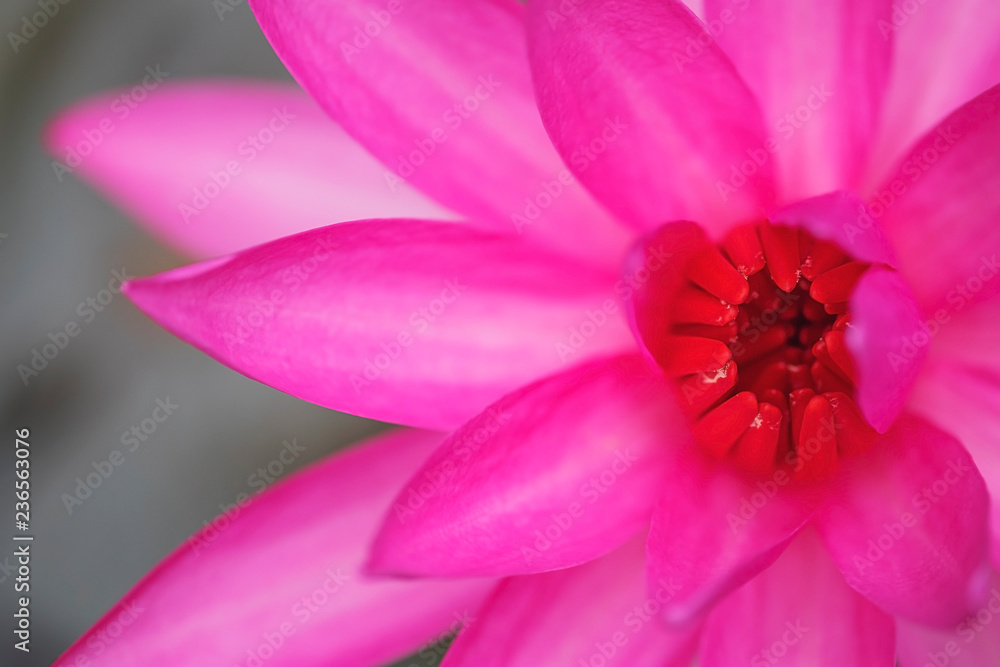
759 352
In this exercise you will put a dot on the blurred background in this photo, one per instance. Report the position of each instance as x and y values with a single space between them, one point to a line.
59 244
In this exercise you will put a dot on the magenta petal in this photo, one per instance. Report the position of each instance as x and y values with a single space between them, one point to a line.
442 96
696 6
908 525
582 615
799 611
974 642
551 476
843 219
819 71
963 401
951 52
420 323
941 205
885 322
217 167
967 334
284 570
714 529
655 134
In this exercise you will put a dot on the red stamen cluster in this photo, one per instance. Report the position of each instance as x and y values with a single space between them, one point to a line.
758 349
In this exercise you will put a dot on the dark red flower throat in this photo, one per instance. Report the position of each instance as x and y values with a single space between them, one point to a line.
757 329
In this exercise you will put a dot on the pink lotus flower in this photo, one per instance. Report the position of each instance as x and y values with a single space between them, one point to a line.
765 438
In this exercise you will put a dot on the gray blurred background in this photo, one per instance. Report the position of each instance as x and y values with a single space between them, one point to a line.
59 243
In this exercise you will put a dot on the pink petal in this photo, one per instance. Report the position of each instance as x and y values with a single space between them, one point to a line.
657 135
907 525
597 613
714 529
215 167
959 386
965 332
421 323
442 96
696 6
951 52
885 319
963 401
974 642
843 219
551 476
941 205
819 71
800 611
279 579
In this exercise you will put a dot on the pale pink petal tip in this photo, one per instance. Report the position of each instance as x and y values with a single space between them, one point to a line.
212 167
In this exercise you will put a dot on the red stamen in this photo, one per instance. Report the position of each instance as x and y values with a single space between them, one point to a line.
701 391
687 355
744 249
837 347
798 375
822 257
797 402
765 296
757 449
854 434
767 374
817 445
839 308
710 271
727 333
720 428
814 312
760 357
835 286
693 304
781 249
779 399
822 354
772 338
